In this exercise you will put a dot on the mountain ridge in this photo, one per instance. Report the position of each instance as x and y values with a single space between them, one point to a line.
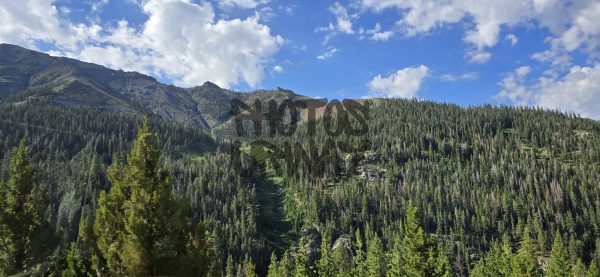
69 82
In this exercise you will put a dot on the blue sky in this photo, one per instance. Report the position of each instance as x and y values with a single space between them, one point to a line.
518 52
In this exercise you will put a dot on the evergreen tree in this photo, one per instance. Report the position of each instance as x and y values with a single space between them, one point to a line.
274 268
25 234
325 264
579 269
286 265
443 268
250 269
525 262
497 262
376 263
360 266
142 228
395 260
76 263
302 266
559 265
593 270
341 259
229 268
414 247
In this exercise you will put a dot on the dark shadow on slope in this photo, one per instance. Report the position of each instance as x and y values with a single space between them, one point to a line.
276 231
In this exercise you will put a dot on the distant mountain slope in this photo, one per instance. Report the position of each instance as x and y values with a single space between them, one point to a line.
35 76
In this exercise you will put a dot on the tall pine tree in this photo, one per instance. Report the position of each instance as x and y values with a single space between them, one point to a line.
376 263
142 228
25 236
559 265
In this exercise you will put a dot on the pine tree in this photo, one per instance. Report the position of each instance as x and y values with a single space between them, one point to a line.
496 262
593 270
525 262
324 266
229 268
443 268
376 264
286 265
395 264
76 263
559 265
274 268
414 246
142 228
250 269
25 234
360 267
579 269
341 259
302 267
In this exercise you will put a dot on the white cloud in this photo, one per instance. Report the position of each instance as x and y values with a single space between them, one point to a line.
512 38
328 54
278 69
573 24
577 91
180 40
245 4
376 33
523 71
97 5
382 36
405 83
343 22
479 56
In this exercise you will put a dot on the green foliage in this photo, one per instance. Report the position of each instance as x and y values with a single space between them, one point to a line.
250 269
274 269
559 265
341 262
360 257
474 175
142 228
376 262
525 262
497 262
325 264
443 268
302 265
25 235
416 254
579 269
77 265
593 270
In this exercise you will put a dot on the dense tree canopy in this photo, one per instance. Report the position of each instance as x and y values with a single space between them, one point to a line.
429 189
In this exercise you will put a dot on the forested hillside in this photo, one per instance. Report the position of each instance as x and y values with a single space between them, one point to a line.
427 190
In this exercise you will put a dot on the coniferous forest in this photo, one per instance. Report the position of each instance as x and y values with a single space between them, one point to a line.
427 190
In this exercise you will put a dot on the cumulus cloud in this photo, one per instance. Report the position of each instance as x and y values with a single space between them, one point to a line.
577 91
180 40
404 83
573 24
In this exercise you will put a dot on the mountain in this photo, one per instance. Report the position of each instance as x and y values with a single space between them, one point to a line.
27 75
